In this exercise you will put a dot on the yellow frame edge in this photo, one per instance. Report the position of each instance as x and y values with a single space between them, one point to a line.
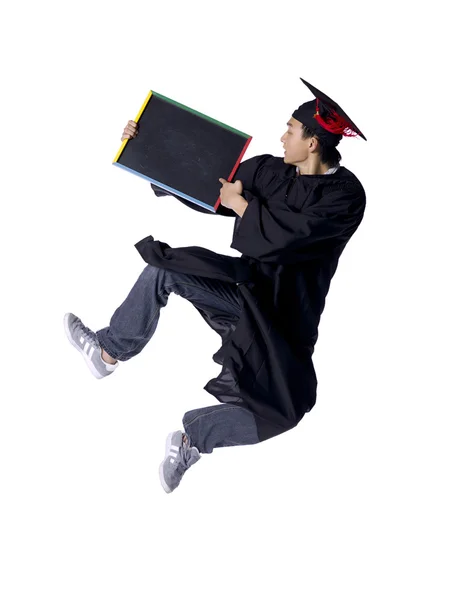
136 120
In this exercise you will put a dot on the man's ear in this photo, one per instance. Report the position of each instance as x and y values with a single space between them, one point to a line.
313 144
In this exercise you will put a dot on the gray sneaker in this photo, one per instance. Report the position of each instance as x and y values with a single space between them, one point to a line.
179 456
86 342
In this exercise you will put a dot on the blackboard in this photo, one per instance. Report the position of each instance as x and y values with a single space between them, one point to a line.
183 151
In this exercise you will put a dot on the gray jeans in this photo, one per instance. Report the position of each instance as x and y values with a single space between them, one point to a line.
134 323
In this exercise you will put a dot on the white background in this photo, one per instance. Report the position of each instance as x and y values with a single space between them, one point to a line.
350 504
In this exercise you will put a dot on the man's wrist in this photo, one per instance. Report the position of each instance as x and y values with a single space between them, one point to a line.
239 205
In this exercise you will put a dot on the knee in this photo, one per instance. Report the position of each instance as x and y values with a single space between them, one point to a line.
151 272
150 277
163 279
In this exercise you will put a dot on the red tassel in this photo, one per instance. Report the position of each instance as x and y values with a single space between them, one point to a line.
334 123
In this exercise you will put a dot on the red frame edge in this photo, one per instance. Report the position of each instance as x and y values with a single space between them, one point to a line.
235 168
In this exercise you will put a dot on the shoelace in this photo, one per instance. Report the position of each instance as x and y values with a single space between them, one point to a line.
185 456
88 334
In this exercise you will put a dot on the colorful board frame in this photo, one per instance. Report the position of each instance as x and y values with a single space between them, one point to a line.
182 150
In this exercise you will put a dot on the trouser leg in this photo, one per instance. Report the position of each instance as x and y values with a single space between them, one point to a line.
219 426
134 322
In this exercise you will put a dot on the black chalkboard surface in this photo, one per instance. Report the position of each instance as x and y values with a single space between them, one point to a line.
183 151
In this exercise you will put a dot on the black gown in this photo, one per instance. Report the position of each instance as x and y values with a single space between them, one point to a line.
291 236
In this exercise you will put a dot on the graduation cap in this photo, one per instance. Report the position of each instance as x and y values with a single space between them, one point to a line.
323 113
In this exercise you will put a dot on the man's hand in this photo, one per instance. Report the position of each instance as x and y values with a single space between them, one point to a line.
231 193
130 131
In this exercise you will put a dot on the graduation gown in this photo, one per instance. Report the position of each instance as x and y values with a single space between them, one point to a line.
291 236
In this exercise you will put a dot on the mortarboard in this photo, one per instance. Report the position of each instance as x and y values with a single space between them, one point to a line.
326 117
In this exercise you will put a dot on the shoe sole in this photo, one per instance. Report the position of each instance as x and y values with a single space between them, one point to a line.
161 467
89 363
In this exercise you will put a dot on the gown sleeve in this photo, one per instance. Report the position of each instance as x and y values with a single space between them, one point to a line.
286 235
222 210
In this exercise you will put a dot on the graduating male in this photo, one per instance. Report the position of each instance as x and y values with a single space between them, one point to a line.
294 216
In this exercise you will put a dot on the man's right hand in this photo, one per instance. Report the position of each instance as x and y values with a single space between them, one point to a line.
130 131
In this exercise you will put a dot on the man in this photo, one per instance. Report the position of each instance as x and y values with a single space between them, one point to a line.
293 217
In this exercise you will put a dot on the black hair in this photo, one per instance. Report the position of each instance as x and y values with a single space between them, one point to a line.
329 155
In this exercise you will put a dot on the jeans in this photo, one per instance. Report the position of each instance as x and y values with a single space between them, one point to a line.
134 323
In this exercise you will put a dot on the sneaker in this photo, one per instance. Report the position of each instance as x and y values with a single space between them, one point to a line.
86 342
179 456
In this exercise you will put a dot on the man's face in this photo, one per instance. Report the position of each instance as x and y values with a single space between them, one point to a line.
296 148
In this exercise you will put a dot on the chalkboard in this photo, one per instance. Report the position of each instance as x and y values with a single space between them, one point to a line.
183 151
